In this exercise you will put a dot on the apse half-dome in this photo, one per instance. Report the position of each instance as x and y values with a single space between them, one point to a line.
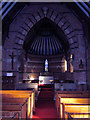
46 44
45 38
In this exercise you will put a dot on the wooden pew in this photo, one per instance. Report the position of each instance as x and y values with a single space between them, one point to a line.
11 109
14 105
17 95
76 110
58 96
72 92
14 93
69 99
5 115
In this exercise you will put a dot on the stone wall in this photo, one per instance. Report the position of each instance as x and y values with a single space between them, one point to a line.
35 65
88 67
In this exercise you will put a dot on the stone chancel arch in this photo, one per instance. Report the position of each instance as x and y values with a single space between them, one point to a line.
45 12
58 18
64 19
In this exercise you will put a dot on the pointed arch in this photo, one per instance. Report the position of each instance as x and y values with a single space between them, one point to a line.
53 16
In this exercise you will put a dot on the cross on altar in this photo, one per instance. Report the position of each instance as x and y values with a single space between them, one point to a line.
12 57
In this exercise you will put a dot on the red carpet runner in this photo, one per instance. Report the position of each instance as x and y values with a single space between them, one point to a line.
45 107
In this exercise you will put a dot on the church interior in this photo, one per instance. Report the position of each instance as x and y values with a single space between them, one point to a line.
45 60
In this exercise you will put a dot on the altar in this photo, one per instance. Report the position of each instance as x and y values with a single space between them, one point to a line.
46 79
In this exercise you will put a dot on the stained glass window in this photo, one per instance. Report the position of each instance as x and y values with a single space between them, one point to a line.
46 65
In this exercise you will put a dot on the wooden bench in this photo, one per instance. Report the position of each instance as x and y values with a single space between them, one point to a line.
11 106
12 109
72 92
9 115
58 96
15 93
18 99
76 110
70 99
28 108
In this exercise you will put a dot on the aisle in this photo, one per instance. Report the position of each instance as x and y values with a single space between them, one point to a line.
45 107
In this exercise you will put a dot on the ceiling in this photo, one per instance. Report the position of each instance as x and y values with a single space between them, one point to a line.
15 6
